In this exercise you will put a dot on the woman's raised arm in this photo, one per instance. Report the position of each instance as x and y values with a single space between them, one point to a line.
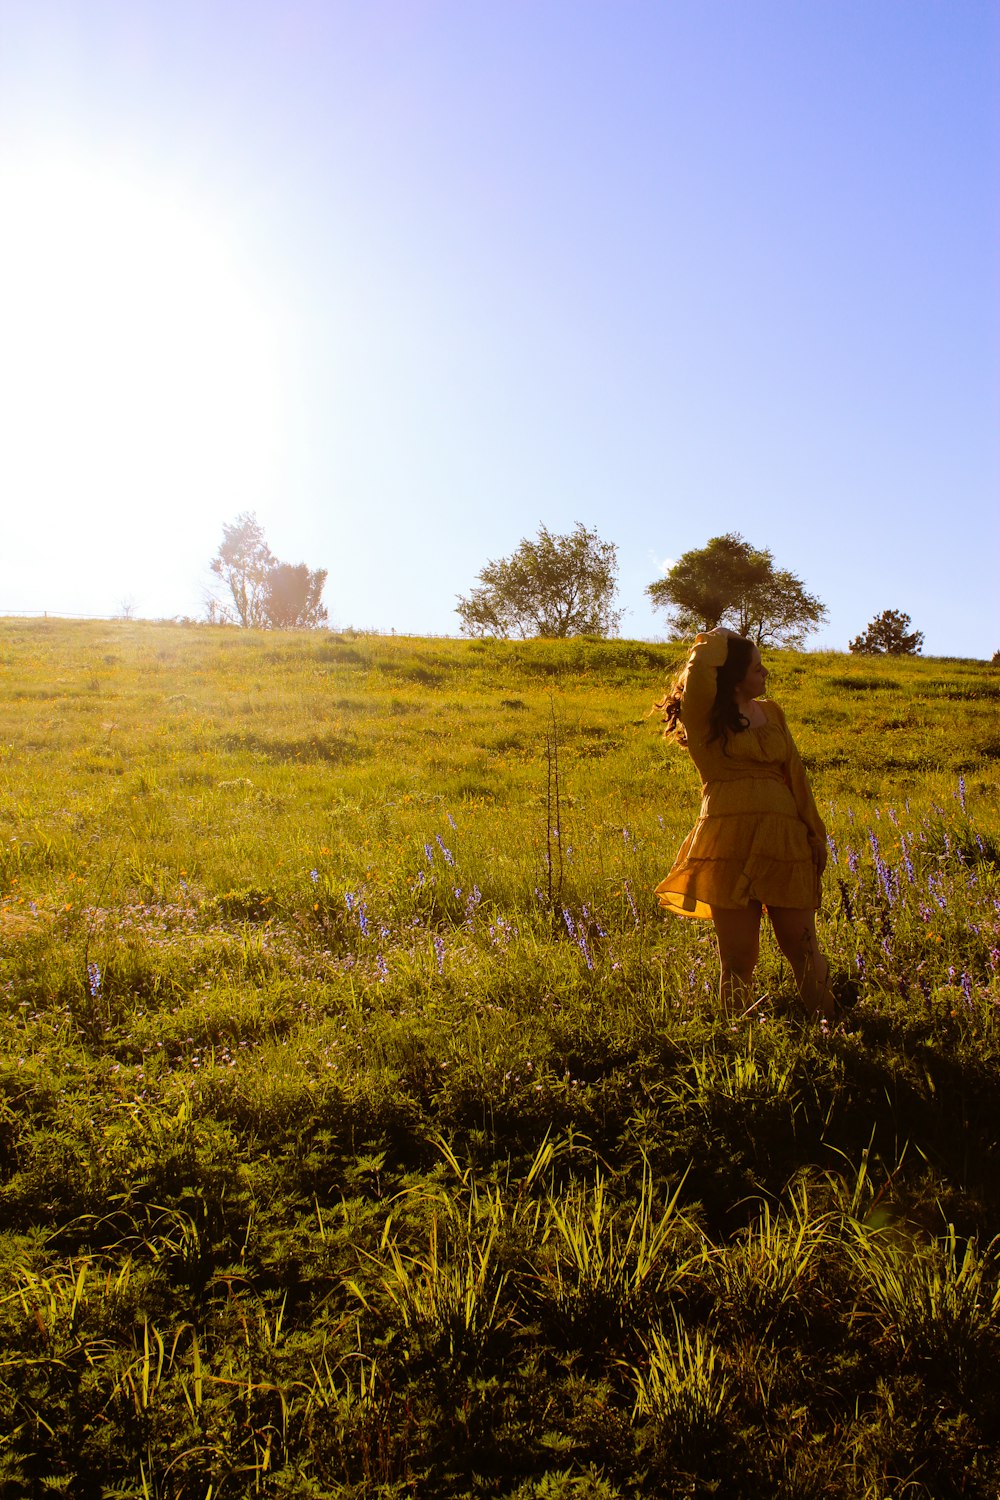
698 683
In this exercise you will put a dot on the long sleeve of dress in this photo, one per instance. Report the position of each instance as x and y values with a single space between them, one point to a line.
698 689
802 792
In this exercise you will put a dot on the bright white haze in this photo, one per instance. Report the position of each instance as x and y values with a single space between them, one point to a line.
138 376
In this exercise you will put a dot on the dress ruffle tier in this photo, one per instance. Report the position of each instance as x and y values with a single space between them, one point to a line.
729 860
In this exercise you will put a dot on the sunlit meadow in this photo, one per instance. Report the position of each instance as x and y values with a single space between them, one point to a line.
365 1129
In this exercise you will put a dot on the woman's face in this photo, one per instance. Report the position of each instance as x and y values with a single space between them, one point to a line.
755 681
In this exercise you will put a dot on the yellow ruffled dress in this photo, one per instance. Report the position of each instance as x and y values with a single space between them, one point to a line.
752 838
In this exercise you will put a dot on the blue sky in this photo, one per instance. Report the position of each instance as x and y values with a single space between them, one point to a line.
409 279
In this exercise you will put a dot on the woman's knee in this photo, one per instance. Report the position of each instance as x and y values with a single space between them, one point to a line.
795 932
738 936
740 956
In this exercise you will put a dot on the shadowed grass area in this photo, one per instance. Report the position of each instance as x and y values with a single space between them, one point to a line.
337 1158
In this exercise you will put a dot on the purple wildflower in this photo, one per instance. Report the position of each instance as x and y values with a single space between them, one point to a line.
908 862
449 858
589 917
881 868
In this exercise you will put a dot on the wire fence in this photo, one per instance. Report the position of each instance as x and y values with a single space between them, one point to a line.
63 614
52 614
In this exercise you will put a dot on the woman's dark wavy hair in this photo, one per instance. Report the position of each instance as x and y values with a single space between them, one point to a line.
724 717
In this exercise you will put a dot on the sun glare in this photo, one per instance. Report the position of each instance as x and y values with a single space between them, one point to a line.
140 367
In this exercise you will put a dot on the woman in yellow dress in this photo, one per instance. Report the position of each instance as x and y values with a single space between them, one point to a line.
759 842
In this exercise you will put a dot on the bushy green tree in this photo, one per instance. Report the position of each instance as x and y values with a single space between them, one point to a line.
729 582
889 634
293 598
550 586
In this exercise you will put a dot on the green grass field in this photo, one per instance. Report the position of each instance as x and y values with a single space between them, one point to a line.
366 1131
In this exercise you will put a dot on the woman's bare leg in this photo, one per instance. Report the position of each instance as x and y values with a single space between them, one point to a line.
738 935
796 935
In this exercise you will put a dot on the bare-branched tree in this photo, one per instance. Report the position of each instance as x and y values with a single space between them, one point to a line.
265 594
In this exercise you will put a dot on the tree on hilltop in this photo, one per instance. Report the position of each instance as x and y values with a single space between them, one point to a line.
550 586
293 598
889 634
729 582
243 562
266 594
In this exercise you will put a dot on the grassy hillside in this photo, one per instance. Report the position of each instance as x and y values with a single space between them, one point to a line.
362 1131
